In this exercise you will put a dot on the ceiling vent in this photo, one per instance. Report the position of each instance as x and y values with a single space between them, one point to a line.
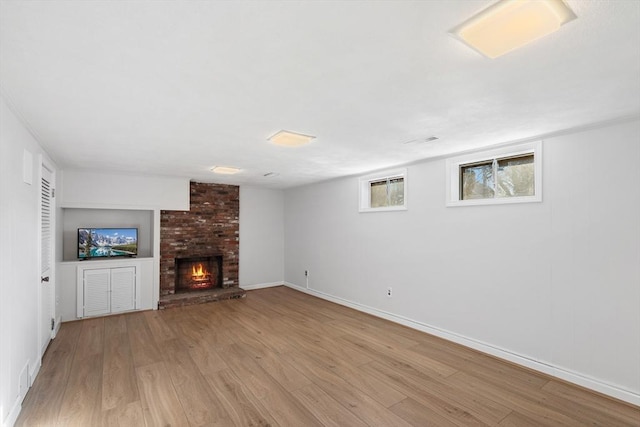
422 140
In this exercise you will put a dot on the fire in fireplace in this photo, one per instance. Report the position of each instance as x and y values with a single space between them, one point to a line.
198 273
200 277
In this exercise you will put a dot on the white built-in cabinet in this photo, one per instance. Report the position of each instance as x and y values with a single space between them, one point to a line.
106 289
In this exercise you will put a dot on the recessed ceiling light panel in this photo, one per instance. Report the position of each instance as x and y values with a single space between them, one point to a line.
225 170
510 24
290 139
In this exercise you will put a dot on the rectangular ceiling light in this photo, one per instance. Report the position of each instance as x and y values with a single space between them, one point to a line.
510 24
290 139
225 170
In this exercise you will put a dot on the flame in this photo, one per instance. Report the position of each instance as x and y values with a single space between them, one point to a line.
199 273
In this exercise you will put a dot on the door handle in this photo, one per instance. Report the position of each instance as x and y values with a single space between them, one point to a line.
44 279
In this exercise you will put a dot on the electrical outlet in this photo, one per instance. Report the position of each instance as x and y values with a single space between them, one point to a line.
306 273
389 292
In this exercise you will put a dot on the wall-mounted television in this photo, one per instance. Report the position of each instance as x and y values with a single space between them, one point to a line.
107 242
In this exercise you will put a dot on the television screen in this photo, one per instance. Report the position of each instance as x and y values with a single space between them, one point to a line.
107 242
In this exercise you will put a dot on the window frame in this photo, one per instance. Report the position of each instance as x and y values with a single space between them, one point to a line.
454 164
365 190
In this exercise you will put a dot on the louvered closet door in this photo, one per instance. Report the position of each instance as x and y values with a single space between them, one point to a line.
96 291
46 307
123 294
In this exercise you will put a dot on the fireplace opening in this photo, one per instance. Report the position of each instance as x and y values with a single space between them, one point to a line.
198 273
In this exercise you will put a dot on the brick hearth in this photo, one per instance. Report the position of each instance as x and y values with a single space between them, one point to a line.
211 226
199 297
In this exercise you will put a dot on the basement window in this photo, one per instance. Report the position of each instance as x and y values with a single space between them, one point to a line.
507 175
386 191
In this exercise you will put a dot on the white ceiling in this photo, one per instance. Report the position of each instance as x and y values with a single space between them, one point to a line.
174 88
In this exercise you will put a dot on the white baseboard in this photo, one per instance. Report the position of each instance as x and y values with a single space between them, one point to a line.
12 416
34 372
261 286
566 375
57 327
29 377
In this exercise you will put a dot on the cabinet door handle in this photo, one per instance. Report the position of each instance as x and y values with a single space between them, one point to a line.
44 279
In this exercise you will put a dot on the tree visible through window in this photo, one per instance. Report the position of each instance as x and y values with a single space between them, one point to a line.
503 175
384 191
500 177
387 192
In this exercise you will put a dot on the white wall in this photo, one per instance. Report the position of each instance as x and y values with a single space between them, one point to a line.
261 237
552 285
88 189
19 263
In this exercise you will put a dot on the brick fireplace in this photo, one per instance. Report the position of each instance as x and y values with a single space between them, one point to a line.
199 247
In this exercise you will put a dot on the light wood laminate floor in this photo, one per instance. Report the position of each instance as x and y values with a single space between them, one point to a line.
284 358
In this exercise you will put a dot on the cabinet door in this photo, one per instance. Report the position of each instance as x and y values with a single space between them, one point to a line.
123 289
96 291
